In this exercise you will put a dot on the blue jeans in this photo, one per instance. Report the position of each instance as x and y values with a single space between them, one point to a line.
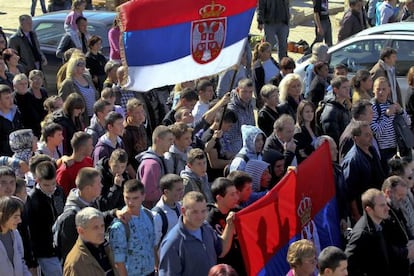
33 8
281 31
50 266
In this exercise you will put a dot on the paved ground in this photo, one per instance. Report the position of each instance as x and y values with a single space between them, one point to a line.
302 18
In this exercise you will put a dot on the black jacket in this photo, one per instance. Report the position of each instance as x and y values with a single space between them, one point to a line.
272 142
366 250
266 119
289 107
334 119
303 141
7 127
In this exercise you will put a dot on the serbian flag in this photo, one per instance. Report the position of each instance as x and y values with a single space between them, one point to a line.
301 206
167 42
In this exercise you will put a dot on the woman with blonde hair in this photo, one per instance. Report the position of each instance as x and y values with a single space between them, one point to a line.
78 81
290 94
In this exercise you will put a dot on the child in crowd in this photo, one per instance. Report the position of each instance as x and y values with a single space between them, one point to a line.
78 6
194 175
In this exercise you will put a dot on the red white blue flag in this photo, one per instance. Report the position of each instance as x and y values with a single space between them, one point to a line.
167 42
301 206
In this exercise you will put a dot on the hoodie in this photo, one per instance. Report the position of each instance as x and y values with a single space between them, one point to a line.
104 148
175 160
192 182
248 151
8 123
43 149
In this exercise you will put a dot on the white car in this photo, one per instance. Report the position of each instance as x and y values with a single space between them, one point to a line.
362 51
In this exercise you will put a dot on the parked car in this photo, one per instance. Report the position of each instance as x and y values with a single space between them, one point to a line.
362 51
49 29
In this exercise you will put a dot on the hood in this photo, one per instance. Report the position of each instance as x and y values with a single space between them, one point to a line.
74 200
183 155
255 169
104 140
21 143
271 156
190 175
249 135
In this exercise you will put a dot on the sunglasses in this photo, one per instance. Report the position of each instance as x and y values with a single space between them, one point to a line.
80 64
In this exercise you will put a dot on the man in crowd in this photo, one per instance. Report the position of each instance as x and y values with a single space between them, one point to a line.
351 22
332 261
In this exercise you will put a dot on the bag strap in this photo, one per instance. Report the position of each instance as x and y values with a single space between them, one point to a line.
164 220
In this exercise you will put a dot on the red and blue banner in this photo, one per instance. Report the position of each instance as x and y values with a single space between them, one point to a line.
167 42
301 206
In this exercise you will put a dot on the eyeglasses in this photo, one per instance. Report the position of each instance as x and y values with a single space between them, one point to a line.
80 64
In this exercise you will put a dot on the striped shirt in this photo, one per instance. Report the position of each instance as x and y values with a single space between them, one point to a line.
89 96
383 127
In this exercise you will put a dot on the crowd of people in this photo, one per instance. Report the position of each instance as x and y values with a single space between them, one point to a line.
102 180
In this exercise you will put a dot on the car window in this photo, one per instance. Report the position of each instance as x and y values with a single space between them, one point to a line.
405 56
49 33
358 54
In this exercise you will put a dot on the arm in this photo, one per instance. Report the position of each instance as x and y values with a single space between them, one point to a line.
117 239
211 113
215 162
227 236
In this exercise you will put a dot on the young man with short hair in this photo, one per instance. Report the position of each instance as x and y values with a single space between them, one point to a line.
168 209
111 140
151 164
90 255
51 139
195 174
10 119
226 199
96 129
332 261
41 214
131 259
176 157
7 181
188 99
82 149
192 246
205 92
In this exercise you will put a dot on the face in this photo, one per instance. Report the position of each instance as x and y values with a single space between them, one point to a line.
340 72
365 139
165 143
133 200
184 141
96 188
245 193
187 117
7 185
14 59
279 168
47 186
245 93
21 86
36 82
307 266
340 270
397 195
230 199
367 84
194 214
199 167
380 210
97 46
226 126
82 26
286 134
324 72
189 104
56 139
381 91
79 67
265 179
105 111
294 89
26 25
117 167
137 115
176 193
6 100
259 143
343 91
13 221
207 95
77 112
273 99
391 60
118 127
266 54
94 231
308 113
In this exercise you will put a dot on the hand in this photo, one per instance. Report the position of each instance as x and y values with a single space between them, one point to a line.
230 218
118 180
67 160
225 99
23 167
123 215
217 134
398 108
320 31
260 27
290 146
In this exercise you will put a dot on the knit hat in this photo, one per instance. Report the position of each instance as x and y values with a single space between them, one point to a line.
255 169
21 139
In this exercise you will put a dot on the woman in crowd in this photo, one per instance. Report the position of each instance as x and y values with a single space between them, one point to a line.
39 95
69 117
362 84
79 82
12 61
305 137
113 37
95 61
301 257
265 68
319 83
410 92
289 94
269 112
11 245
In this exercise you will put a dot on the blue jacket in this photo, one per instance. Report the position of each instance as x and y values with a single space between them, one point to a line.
183 254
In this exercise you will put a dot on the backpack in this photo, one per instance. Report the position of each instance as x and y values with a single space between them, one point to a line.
226 170
57 226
